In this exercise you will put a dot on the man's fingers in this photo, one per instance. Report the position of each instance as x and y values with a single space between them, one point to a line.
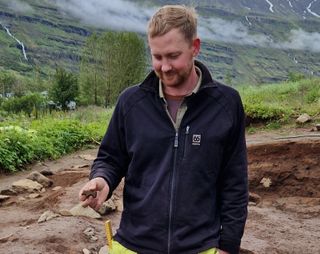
94 193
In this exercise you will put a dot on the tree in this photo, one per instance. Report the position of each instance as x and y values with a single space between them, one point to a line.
7 83
110 63
64 89
91 71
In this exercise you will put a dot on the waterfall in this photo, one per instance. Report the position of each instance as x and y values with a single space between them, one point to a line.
20 43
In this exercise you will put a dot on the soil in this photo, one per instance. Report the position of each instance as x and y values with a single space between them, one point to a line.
284 209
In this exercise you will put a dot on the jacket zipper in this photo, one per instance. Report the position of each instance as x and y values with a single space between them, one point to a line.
186 141
175 146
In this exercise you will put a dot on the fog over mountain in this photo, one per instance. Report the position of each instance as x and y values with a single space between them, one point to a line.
129 16
248 41
19 6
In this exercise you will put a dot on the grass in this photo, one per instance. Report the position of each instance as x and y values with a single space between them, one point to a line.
24 140
283 102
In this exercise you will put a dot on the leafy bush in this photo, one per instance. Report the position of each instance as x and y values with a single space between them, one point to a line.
49 137
28 104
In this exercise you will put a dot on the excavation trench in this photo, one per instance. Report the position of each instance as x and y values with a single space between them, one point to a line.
284 174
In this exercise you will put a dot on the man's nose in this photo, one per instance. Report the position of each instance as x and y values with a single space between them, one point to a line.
166 66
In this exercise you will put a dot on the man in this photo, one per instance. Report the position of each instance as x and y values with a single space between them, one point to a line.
178 140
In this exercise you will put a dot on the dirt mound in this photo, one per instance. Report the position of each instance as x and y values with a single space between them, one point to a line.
284 211
291 166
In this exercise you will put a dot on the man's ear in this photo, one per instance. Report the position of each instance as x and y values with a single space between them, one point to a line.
196 46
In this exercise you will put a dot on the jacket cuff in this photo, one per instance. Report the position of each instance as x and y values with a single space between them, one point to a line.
229 247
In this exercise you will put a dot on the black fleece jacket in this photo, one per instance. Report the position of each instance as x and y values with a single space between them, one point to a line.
185 191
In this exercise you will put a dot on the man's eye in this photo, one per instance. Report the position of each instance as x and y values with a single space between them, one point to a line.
174 56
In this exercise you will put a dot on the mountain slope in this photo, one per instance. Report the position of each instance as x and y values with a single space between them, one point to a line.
242 40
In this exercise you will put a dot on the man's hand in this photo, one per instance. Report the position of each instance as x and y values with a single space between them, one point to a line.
94 193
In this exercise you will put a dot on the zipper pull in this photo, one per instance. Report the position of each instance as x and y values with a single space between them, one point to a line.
176 142
187 129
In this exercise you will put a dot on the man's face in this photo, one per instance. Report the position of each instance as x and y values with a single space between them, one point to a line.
172 57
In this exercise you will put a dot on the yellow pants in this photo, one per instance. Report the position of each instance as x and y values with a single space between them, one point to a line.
117 248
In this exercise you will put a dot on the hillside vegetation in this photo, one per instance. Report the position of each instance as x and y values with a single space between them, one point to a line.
25 139
250 48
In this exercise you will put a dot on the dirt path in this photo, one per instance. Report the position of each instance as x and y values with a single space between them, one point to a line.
284 212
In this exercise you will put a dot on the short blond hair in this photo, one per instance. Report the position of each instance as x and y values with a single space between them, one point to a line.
169 17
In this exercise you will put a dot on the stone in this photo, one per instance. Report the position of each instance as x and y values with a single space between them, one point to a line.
89 231
34 195
266 182
9 191
107 207
4 198
48 215
79 210
26 185
6 238
318 127
46 172
80 166
86 251
119 204
40 178
90 234
304 118
104 250
65 213
57 188
87 157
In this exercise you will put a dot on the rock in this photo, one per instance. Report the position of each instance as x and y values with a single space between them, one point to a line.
57 188
90 234
28 185
80 166
87 157
107 207
4 198
119 204
104 250
34 195
86 251
266 182
79 210
6 238
9 191
304 118
255 198
65 213
318 127
48 215
46 172
40 178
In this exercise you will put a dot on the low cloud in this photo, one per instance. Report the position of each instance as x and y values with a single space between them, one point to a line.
129 16
19 6
235 32
300 39
113 14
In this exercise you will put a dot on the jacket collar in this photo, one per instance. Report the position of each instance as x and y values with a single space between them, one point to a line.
151 82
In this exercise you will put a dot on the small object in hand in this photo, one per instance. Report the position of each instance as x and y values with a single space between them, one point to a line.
90 193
